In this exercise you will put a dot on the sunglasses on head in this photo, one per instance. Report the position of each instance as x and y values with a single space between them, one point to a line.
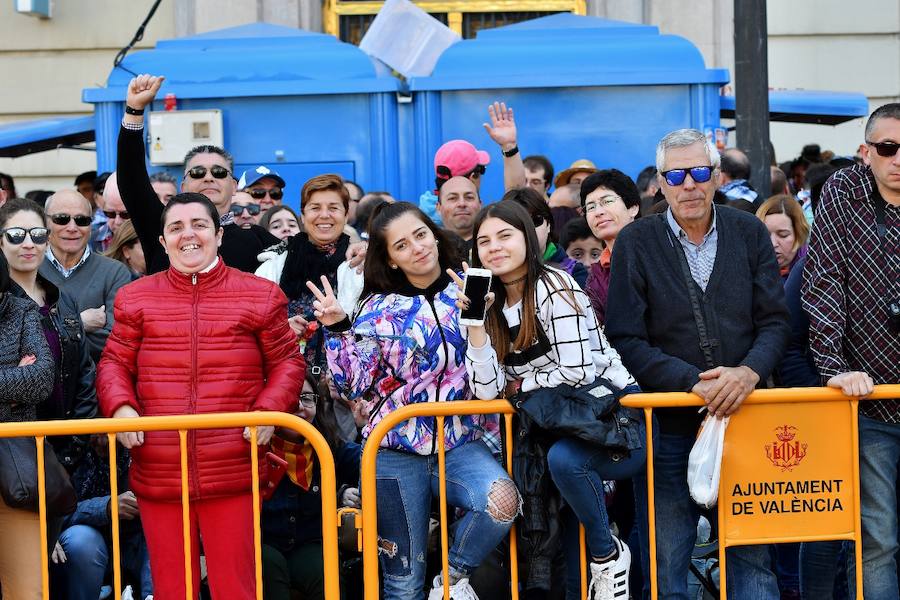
477 172
698 174
237 209
885 148
16 235
199 172
260 193
111 214
64 218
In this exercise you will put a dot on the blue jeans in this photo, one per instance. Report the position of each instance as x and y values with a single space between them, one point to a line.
749 572
879 454
406 484
824 568
88 557
578 469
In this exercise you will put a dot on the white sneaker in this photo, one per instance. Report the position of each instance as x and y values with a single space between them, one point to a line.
609 580
461 590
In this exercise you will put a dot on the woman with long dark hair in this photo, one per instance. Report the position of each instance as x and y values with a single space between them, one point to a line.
404 346
541 335
26 379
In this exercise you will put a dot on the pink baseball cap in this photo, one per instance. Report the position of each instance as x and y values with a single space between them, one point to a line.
460 157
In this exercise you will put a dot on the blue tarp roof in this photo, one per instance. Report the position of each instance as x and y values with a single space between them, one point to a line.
259 59
28 137
807 106
566 50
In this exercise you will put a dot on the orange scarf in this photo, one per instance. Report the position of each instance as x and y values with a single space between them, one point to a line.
300 460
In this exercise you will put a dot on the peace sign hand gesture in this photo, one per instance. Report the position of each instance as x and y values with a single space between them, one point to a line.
326 306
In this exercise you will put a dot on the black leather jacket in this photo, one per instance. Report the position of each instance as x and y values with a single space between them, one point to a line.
75 370
544 416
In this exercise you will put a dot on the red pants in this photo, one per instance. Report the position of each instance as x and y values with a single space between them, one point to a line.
226 527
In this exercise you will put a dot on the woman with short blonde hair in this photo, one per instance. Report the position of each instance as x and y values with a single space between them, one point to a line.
783 217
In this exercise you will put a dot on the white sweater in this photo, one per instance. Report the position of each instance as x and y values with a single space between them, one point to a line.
572 349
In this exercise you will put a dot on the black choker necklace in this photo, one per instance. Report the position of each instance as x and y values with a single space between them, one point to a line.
515 281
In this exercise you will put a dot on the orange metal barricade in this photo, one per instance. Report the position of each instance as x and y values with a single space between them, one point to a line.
41 429
647 402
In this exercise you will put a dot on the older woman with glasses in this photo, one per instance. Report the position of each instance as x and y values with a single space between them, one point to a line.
610 200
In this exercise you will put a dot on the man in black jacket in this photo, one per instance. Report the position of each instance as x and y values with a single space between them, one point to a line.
208 170
696 267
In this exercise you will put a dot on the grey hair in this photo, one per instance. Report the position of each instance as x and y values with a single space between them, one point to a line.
888 111
209 149
163 177
681 138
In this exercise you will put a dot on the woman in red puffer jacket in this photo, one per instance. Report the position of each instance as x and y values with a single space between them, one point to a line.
198 338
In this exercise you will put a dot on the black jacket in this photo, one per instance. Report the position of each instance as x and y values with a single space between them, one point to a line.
650 321
543 416
75 371
240 247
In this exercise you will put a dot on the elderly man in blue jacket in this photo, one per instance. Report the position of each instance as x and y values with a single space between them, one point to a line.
695 304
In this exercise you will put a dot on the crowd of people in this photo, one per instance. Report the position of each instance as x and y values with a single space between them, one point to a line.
135 295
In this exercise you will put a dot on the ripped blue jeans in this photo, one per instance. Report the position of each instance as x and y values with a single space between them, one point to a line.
406 484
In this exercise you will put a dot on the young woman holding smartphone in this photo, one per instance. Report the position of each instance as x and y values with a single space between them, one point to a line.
404 346
541 336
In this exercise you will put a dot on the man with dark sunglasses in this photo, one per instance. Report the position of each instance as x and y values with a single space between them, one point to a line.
264 185
115 212
208 170
695 268
851 291
246 210
90 278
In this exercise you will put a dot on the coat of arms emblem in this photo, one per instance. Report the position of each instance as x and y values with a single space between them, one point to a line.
786 452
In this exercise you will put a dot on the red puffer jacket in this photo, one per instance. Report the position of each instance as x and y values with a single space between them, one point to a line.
192 344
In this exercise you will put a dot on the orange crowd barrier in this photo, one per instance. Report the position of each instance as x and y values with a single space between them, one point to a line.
41 429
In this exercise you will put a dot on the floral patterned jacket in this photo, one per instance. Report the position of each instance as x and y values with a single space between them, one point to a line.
404 348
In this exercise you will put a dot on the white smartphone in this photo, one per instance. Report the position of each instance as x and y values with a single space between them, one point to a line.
476 287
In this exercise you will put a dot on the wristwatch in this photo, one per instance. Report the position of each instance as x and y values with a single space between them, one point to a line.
133 111
511 152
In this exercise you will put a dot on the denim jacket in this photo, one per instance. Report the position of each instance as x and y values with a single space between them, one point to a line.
405 348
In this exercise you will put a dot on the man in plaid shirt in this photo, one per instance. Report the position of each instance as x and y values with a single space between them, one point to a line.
850 282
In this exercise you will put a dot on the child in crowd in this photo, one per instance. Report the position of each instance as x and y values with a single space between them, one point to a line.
580 243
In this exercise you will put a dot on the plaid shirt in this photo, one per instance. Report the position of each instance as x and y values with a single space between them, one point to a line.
847 280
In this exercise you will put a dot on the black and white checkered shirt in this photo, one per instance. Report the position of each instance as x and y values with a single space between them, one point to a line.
571 347
846 283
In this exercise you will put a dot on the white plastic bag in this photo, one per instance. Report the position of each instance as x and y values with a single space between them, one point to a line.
705 461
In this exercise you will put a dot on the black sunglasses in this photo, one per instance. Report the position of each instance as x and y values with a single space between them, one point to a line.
16 235
111 214
64 218
237 209
885 148
698 174
477 172
260 193
199 172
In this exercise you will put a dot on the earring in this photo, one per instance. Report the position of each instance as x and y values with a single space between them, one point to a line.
393 266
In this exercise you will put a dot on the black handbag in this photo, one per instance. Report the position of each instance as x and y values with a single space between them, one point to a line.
18 478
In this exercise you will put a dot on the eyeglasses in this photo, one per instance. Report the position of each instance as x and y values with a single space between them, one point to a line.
64 218
199 172
698 174
16 235
309 399
884 148
238 209
111 214
605 201
260 193
477 172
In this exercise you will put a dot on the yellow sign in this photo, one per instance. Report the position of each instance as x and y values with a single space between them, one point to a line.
788 472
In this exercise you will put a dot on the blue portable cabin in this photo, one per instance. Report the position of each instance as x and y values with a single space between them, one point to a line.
580 87
301 103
